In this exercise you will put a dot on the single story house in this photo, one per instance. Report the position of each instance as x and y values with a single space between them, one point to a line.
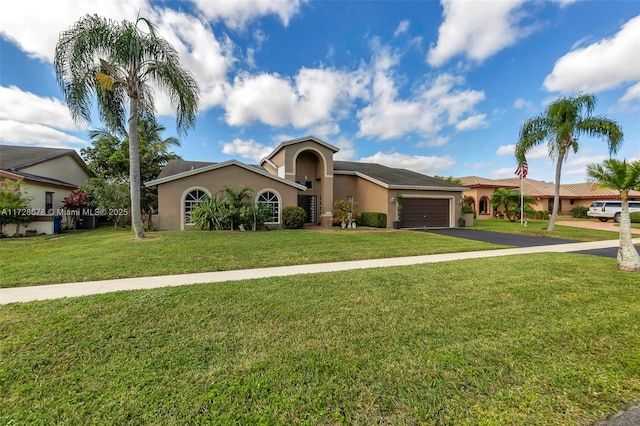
302 172
47 175
571 195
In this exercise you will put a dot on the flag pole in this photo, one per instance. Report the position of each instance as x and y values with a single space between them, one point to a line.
521 199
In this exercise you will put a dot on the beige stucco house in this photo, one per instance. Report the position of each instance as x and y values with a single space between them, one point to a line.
47 176
302 172
571 195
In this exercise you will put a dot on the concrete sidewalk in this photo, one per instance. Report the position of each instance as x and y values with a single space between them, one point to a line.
56 291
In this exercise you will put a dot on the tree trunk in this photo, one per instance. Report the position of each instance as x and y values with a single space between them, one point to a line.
556 193
628 257
134 169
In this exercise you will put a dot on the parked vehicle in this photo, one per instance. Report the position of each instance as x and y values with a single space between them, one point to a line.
610 209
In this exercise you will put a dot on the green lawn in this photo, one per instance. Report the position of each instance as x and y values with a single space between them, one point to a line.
535 228
105 253
545 339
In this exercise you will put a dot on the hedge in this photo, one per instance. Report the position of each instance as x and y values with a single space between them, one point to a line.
373 219
293 217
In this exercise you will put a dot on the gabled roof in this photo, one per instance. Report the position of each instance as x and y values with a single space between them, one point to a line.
174 167
189 169
19 157
15 158
299 140
541 189
392 178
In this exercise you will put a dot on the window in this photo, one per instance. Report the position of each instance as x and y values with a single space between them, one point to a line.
48 202
271 199
307 183
350 199
192 199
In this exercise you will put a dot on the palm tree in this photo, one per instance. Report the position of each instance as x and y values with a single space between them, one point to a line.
236 200
510 199
622 176
561 124
120 63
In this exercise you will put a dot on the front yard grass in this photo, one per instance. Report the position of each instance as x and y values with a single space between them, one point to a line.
544 339
106 254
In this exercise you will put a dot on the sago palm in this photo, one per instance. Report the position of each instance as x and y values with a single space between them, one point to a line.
121 64
560 126
624 177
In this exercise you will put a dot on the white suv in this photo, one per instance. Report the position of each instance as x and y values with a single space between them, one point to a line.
610 209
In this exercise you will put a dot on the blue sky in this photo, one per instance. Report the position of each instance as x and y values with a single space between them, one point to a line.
436 87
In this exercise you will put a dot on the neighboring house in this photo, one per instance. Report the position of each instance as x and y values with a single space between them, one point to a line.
47 176
302 172
571 195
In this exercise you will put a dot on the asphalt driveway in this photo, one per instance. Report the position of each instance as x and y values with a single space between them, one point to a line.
514 240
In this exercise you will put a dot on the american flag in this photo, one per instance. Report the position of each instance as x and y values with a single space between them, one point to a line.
522 170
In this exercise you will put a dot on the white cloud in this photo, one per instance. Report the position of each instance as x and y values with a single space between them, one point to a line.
632 93
18 105
600 66
248 149
35 25
524 105
503 173
430 107
477 29
433 142
506 150
315 97
14 132
347 150
200 52
431 165
403 27
236 14
473 122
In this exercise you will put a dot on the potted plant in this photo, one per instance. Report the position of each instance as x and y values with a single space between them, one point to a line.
468 214
398 201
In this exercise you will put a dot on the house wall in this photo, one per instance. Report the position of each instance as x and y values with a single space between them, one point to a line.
369 196
42 221
310 157
64 168
171 194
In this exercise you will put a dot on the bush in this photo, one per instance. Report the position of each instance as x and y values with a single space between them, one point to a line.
293 217
580 212
344 211
373 219
635 217
541 215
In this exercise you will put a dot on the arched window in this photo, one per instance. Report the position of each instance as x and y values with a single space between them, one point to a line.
271 199
191 200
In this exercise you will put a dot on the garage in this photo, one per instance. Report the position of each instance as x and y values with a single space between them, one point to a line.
425 213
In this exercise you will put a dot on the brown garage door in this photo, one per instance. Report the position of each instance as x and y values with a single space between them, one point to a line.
425 213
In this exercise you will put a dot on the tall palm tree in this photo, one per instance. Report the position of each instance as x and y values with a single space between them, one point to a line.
121 64
561 124
624 177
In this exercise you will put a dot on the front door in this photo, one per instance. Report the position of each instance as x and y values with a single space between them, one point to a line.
309 204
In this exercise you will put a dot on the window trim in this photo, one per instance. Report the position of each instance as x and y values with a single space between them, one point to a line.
183 199
279 200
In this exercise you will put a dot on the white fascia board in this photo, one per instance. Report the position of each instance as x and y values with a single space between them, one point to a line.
219 166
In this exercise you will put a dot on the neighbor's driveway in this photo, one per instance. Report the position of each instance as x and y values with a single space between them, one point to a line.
527 241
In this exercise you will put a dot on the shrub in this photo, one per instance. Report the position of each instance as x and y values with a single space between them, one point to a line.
373 219
541 215
635 217
293 217
580 212
344 210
